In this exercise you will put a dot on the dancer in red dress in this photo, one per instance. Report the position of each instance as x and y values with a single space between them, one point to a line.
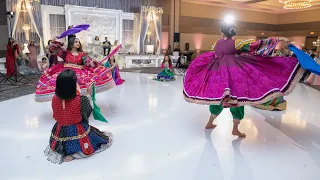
72 137
11 54
88 71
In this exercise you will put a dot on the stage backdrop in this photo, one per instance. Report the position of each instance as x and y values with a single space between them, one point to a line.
57 18
124 5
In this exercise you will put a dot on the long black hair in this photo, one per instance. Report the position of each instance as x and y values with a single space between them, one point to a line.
228 30
71 43
9 41
164 59
66 85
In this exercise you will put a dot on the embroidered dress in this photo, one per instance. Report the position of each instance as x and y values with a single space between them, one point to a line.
87 70
278 104
240 72
115 73
72 135
166 74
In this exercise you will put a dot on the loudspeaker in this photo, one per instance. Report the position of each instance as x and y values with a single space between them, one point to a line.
176 37
187 47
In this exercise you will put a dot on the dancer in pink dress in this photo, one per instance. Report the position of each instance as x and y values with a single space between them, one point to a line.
88 71
239 73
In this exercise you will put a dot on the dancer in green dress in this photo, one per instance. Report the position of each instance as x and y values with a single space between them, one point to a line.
167 72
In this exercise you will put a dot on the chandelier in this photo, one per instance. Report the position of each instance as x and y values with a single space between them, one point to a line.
241 0
296 4
316 43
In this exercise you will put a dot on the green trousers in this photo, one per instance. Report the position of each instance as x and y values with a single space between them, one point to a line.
237 112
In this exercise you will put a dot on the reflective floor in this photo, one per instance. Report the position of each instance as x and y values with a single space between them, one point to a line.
159 136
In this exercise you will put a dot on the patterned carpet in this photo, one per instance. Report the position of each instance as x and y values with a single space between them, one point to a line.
24 87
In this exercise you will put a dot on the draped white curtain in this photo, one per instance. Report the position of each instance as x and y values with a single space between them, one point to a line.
33 23
17 14
35 26
144 24
158 27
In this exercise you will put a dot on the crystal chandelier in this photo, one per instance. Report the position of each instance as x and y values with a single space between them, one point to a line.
316 43
297 4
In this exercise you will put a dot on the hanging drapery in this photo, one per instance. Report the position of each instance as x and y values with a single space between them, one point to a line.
124 5
36 8
35 26
17 14
11 6
158 27
144 24
33 23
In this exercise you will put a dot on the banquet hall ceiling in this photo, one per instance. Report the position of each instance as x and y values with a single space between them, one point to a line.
272 6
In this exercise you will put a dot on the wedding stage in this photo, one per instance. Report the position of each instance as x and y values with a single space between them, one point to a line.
139 33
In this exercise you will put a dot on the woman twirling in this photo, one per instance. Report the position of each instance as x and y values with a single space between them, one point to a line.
87 71
239 73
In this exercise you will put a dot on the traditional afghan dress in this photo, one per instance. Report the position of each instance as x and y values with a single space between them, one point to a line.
87 70
238 73
115 73
276 104
166 74
72 135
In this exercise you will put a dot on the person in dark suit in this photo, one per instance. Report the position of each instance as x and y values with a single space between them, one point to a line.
307 72
179 59
106 46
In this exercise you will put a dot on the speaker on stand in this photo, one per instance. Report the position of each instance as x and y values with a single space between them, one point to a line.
187 47
176 40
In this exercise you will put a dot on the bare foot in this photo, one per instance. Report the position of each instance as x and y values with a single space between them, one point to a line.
238 133
210 126
68 159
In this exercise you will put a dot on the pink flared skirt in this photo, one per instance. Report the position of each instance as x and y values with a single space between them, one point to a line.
99 75
238 80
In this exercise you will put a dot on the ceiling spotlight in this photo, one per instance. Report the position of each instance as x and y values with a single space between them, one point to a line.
10 14
229 19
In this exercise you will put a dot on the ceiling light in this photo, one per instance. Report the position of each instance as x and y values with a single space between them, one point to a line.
297 4
316 43
311 32
229 19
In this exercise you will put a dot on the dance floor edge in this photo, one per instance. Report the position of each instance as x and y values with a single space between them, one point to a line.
159 136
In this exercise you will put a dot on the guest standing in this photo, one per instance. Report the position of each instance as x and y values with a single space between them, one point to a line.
11 54
33 55
107 46
51 53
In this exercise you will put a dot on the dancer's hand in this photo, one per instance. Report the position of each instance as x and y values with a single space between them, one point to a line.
89 90
78 90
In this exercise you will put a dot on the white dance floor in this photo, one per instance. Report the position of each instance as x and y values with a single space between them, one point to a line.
159 136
